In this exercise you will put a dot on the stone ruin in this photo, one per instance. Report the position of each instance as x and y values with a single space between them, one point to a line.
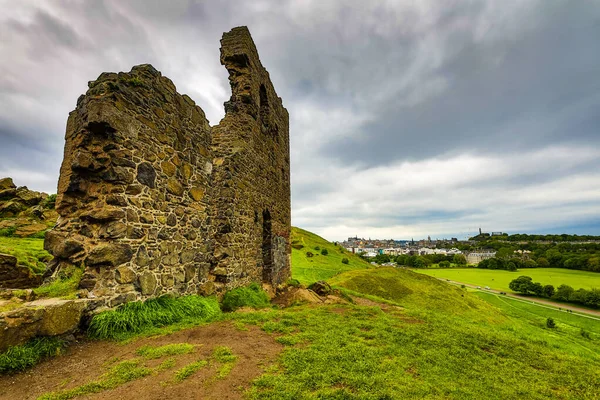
153 200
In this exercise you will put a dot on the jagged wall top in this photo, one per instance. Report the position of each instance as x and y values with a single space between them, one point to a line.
153 200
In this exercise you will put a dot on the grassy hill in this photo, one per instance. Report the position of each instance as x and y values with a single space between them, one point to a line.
412 290
308 269
407 335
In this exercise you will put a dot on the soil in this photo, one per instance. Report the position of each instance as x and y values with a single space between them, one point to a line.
87 361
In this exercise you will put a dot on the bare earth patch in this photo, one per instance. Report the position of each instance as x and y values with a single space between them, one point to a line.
86 362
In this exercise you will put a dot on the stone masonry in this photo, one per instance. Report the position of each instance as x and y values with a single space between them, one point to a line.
154 200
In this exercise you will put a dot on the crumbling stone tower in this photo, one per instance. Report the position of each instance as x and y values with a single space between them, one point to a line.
153 200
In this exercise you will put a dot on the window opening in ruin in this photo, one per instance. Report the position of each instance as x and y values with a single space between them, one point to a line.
267 246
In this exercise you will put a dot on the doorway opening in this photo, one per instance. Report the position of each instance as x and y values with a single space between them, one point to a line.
267 246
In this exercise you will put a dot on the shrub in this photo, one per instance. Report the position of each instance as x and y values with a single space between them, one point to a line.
444 264
317 248
38 235
8 232
345 261
563 293
293 282
137 317
548 291
18 358
550 323
324 252
250 296
50 202
459 259
521 284
585 334
309 254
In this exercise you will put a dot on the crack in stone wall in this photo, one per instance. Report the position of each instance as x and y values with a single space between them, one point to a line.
154 200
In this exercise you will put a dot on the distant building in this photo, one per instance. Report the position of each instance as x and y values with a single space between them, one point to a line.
477 257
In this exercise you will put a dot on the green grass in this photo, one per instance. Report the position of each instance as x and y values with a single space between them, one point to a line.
499 279
19 358
319 267
140 317
65 286
442 342
189 370
29 252
223 354
151 352
537 314
251 296
125 371
409 289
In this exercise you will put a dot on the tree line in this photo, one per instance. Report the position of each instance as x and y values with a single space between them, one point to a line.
443 260
523 237
580 256
524 284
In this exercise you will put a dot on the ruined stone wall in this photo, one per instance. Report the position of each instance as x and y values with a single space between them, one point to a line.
153 200
134 189
251 172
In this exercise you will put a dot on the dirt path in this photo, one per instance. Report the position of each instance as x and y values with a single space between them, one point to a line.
86 362
583 311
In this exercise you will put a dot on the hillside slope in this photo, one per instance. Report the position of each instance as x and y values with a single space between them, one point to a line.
414 291
406 336
309 265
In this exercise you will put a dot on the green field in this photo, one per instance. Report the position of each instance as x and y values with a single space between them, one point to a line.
537 314
319 267
499 279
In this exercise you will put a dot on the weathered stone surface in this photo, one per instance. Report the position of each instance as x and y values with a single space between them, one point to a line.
125 275
14 276
47 317
29 197
147 283
62 246
321 288
113 254
174 187
23 211
296 295
146 174
197 193
175 204
7 183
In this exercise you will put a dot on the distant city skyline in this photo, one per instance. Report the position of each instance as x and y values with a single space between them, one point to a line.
407 119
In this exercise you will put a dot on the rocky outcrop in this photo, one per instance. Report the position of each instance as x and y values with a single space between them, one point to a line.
154 200
47 317
14 276
24 212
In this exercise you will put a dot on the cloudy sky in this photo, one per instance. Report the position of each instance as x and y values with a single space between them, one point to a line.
407 118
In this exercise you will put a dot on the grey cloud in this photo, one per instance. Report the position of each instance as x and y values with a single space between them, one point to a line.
540 90
369 85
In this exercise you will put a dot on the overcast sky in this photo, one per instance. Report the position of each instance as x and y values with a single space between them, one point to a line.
407 118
